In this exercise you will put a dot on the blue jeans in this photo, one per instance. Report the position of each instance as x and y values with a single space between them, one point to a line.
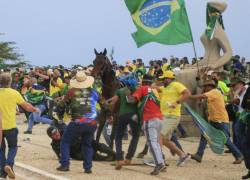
11 138
239 130
175 140
225 128
246 145
36 117
123 122
181 130
72 132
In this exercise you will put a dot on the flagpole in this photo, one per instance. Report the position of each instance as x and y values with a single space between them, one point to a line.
195 53
194 48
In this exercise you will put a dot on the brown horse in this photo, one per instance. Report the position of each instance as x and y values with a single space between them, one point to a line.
104 69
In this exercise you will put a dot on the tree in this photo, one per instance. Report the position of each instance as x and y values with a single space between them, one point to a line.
8 52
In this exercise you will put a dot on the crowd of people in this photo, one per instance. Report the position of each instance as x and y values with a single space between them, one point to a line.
150 99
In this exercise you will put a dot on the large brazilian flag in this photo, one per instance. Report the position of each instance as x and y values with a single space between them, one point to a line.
162 21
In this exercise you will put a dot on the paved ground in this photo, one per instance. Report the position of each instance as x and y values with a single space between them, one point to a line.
35 151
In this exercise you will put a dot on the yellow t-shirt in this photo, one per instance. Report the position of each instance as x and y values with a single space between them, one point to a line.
55 89
133 68
170 95
165 67
216 107
9 99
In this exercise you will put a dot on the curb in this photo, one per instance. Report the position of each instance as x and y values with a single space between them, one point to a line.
39 171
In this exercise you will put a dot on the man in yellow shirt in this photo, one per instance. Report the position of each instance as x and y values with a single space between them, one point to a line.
172 94
9 99
56 84
218 118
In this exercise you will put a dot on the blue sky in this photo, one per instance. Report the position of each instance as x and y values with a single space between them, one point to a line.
66 32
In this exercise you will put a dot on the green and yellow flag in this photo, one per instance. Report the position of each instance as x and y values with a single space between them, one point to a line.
162 21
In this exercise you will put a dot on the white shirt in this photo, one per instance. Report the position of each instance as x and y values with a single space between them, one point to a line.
241 96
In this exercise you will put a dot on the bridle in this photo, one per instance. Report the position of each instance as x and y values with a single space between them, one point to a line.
104 66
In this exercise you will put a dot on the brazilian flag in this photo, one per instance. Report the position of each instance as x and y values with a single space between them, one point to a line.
162 21
215 138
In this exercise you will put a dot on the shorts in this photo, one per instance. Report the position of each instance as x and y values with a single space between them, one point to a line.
170 123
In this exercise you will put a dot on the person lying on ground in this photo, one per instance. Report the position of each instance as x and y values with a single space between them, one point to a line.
55 132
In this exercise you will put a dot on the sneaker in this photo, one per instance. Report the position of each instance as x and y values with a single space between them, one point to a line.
27 132
61 168
247 176
10 172
238 160
88 171
149 162
182 160
196 157
119 165
158 169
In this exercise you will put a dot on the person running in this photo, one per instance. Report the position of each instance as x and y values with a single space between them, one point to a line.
9 99
152 119
172 94
218 118
127 116
81 102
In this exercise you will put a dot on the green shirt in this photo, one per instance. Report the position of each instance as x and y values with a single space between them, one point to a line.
222 86
125 107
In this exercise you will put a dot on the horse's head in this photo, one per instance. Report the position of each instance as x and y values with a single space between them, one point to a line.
101 63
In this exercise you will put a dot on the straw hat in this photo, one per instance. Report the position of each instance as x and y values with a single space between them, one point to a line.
81 80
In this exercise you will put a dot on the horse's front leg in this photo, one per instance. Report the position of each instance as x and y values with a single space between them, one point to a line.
101 121
113 133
